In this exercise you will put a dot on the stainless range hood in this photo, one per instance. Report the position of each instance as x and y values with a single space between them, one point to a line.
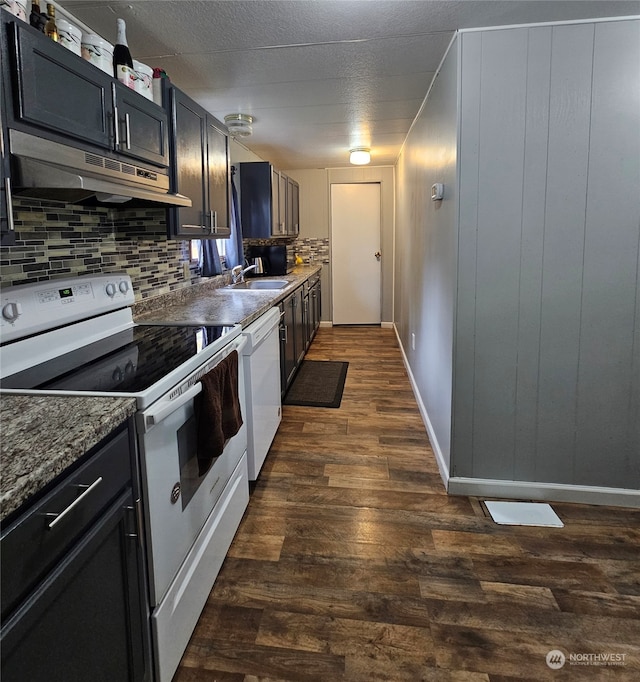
48 170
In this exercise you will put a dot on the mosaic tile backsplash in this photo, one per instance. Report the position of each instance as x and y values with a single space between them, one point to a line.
56 240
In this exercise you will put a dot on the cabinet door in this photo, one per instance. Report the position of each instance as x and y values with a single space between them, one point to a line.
219 178
141 127
55 89
282 205
299 322
275 202
308 320
295 208
289 364
316 306
87 620
187 139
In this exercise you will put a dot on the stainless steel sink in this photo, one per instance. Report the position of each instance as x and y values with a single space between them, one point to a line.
260 285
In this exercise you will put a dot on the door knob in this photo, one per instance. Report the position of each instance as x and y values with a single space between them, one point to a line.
378 255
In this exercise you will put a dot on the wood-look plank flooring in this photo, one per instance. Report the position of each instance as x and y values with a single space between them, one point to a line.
352 563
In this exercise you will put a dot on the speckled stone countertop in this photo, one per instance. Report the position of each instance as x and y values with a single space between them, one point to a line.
207 304
41 436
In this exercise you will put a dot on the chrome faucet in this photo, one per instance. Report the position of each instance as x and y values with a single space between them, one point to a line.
237 273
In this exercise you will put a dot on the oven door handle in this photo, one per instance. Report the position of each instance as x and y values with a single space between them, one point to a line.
167 407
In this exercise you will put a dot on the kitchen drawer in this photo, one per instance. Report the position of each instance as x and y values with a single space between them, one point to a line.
37 539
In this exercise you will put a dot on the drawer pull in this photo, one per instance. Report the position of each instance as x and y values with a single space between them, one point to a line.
76 502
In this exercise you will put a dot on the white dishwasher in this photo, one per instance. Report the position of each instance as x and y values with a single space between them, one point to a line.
261 363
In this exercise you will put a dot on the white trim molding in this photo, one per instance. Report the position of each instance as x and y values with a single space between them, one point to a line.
435 445
548 492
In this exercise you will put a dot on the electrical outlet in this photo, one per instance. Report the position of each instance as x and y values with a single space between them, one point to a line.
186 272
413 341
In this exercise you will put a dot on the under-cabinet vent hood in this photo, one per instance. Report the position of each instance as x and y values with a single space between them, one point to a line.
45 169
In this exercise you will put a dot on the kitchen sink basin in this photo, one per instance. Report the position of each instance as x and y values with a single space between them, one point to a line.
260 284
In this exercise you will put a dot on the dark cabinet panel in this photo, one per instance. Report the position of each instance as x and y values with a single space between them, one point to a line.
269 201
201 170
74 595
294 188
287 339
294 333
57 90
299 325
219 175
142 127
188 142
262 210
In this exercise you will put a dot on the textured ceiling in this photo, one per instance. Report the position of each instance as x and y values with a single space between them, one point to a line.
318 76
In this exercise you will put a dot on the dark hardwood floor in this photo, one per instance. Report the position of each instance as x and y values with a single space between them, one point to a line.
352 563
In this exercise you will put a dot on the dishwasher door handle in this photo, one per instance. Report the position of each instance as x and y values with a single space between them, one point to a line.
168 407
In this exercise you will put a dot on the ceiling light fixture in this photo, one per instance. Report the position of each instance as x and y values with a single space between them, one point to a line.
239 125
360 156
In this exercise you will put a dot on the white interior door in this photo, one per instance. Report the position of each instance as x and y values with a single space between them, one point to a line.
355 253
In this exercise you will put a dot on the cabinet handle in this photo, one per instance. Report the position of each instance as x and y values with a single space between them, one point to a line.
195 227
7 191
75 503
116 125
213 221
137 510
127 128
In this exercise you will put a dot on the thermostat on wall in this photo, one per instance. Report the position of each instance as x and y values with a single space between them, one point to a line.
437 191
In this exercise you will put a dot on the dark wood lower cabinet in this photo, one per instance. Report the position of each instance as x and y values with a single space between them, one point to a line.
86 618
300 317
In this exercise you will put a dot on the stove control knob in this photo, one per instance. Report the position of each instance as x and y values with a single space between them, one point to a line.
111 290
11 311
123 286
117 375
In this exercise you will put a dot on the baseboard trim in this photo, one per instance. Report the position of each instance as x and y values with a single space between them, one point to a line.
435 445
326 323
388 325
548 492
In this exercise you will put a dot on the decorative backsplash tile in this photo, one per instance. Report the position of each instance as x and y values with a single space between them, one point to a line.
313 249
55 240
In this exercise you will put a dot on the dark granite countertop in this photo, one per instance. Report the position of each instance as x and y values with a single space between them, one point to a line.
208 304
40 436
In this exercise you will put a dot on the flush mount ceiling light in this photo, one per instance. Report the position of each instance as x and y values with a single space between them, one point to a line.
239 125
360 156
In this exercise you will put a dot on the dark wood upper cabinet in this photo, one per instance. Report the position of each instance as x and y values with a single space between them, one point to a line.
54 93
201 170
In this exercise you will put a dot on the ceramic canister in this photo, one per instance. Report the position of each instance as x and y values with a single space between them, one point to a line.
70 36
98 51
17 7
143 79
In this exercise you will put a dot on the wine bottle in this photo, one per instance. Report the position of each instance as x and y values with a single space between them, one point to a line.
122 60
50 27
37 18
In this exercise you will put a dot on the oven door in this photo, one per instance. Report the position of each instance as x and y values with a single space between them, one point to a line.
178 501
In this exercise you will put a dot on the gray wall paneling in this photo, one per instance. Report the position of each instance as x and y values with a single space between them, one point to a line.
426 248
568 154
608 379
546 351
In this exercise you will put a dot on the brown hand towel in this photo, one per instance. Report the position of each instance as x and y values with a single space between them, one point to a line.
217 410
